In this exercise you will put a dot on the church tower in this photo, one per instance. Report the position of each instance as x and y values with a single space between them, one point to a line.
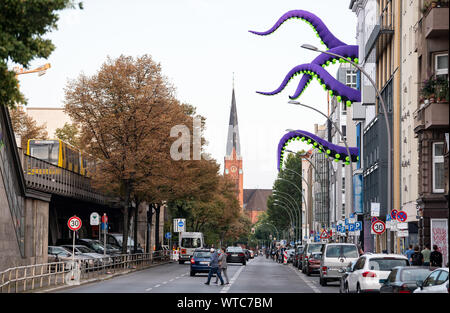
233 159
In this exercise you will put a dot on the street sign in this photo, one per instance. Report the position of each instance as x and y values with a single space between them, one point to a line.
351 220
94 219
375 209
346 222
378 227
317 238
324 235
394 214
179 225
374 219
403 233
402 216
352 215
74 223
402 226
388 218
168 235
358 226
394 225
351 227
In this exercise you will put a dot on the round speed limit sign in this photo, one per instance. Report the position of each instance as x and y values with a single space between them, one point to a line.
74 223
378 227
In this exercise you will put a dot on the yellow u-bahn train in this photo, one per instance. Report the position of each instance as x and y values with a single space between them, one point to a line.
61 154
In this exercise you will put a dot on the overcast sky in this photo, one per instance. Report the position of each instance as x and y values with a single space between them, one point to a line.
199 44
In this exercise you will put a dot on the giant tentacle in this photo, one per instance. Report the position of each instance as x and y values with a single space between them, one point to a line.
319 27
338 153
329 83
325 59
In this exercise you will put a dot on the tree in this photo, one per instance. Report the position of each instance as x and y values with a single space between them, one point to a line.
69 133
125 112
26 127
23 25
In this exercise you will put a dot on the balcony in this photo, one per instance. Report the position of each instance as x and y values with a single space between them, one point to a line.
431 115
435 22
381 34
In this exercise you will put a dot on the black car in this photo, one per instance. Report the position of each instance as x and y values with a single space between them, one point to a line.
236 255
99 247
402 279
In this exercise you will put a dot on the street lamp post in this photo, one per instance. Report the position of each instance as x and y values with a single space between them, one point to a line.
388 128
288 211
291 206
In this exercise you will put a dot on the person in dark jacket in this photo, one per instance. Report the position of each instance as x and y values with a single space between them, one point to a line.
417 257
214 267
435 257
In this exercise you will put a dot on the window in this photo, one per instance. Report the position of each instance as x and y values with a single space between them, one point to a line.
344 132
359 264
438 167
441 64
351 78
442 278
343 108
431 280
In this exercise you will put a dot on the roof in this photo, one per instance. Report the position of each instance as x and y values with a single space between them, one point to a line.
256 199
233 130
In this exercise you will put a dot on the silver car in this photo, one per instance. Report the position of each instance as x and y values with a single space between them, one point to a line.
336 256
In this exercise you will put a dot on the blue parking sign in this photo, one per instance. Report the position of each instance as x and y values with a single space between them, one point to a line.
351 227
317 238
346 221
358 226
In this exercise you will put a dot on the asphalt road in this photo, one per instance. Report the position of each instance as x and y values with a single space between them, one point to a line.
260 275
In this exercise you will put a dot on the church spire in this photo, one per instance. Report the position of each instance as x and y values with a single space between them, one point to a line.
233 130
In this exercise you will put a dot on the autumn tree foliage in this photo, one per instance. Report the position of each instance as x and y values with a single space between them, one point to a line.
68 133
25 126
125 112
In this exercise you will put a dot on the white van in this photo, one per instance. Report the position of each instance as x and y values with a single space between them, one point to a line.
336 256
188 242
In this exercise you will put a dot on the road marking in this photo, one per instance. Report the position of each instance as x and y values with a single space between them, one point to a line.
177 277
171 279
148 289
308 282
156 286
164 283
233 279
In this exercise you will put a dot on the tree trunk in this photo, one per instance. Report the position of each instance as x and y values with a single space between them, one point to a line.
136 213
157 211
126 220
149 228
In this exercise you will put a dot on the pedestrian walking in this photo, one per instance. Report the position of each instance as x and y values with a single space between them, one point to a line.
214 267
417 257
223 267
409 252
426 255
436 257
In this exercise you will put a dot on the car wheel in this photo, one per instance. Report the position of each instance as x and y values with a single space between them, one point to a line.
308 272
323 281
244 263
181 262
192 273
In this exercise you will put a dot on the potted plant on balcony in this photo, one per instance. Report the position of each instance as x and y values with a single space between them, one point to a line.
428 89
441 89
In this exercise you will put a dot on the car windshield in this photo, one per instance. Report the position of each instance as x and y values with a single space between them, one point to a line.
100 245
314 248
386 264
316 255
336 251
202 254
190 242
84 249
414 274
234 249
60 251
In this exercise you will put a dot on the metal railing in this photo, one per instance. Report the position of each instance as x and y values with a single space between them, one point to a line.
43 276
44 176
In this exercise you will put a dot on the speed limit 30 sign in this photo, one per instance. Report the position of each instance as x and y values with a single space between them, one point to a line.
378 227
74 223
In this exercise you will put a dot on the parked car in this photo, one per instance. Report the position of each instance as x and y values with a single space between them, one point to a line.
313 264
335 257
116 239
236 255
343 281
297 256
200 261
61 254
247 254
252 254
370 268
403 279
310 248
435 282
88 252
99 247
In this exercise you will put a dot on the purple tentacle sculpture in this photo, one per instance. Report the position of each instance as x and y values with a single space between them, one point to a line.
334 45
338 153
